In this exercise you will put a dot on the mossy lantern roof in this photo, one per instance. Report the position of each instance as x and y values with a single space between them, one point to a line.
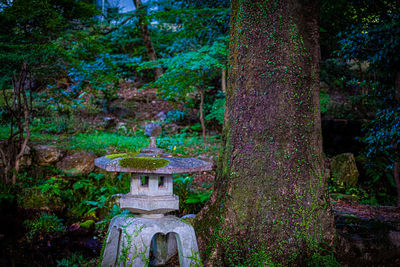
174 165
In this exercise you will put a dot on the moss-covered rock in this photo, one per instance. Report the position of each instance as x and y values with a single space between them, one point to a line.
78 163
344 169
46 155
143 163
87 224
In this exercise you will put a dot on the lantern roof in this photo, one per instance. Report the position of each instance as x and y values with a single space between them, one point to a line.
169 164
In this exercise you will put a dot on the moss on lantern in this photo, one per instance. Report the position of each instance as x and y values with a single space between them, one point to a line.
122 155
143 163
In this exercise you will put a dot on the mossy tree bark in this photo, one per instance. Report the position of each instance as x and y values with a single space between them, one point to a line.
270 201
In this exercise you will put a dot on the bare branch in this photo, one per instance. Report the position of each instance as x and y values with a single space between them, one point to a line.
119 25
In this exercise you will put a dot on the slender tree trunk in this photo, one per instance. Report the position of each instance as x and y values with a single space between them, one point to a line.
203 126
12 150
223 80
270 202
151 53
397 87
25 127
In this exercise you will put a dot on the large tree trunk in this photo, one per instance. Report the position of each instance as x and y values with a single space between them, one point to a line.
151 53
270 202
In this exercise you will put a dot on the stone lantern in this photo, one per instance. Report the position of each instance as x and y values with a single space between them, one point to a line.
151 196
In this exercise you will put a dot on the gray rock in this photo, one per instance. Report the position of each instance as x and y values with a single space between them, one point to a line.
122 127
46 155
152 129
78 163
161 116
344 169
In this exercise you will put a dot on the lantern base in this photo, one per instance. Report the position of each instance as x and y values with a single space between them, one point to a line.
129 239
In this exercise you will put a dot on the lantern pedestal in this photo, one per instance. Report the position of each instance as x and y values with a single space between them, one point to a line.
129 239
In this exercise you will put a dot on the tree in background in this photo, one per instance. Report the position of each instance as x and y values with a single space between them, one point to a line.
28 55
270 202
376 40
17 107
191 72
151 53
195 61
28 32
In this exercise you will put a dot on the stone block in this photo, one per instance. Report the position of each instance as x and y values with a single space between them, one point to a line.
149 204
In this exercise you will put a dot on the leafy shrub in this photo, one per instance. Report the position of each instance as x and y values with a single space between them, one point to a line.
339 190
44 224
382 138
94 193
175 115
75 260
324 98
191 201
217 111
58 125
112 212
190 71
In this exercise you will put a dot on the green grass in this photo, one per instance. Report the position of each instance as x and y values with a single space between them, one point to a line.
97 142
101 142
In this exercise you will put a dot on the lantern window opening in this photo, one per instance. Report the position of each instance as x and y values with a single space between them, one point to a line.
161 181
144 181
